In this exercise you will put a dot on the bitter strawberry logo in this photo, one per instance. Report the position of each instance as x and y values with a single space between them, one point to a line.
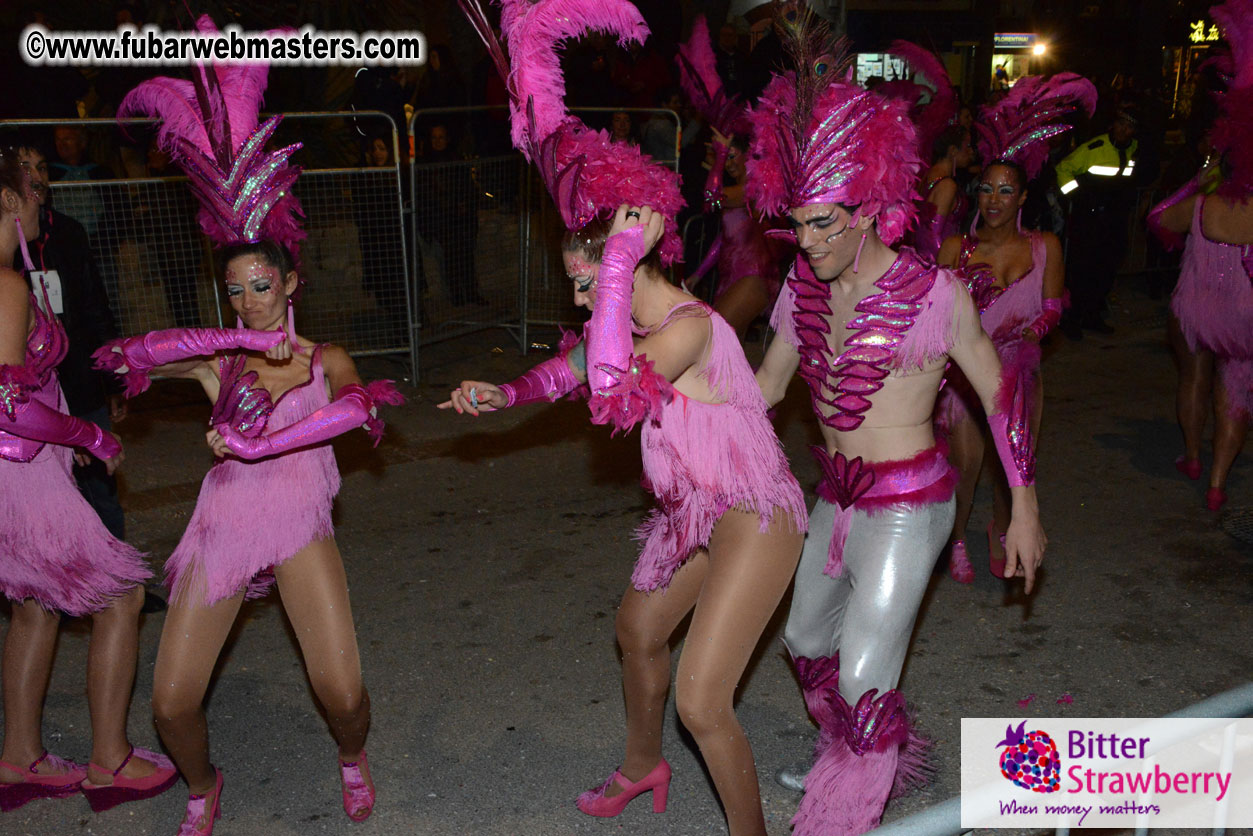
1030 759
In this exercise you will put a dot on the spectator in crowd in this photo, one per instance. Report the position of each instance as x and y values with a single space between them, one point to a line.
379 239
620 126
447 207
640 74
660 134
1097 177
588 77
172 244
731 61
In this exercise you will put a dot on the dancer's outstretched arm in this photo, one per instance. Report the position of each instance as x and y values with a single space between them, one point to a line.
547 381
181 352
1005 407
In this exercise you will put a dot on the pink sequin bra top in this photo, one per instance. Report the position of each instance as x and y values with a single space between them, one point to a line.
241 403
47 343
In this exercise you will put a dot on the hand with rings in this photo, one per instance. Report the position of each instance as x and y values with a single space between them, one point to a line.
629 216
475 397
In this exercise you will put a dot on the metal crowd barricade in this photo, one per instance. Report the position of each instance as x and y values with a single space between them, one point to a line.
158 267
944 819
1144 255
468 191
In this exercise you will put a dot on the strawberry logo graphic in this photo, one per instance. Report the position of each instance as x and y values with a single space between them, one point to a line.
1030 759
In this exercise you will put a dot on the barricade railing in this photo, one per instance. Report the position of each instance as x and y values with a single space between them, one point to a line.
158 267
944 819
487 235
1144 255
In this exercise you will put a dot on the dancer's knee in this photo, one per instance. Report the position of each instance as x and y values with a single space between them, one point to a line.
635 634
802 639
704 706
173 707
123 608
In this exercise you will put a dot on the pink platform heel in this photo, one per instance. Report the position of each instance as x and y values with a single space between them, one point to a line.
1189 467
61 781
103 797
996 551
358 787
596 803
959 567
199 821
1215 499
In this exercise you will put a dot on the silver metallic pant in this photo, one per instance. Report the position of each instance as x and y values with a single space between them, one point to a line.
867 614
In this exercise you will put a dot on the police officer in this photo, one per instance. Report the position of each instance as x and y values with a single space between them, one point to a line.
1098 177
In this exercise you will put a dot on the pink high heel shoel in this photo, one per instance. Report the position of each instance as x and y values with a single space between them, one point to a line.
103 797
358 788
596 803
198 821
62 782
959 567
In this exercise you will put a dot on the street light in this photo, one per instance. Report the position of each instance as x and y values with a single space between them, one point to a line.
1039 49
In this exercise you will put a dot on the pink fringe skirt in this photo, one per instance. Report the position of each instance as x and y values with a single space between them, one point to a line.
53 546
250 517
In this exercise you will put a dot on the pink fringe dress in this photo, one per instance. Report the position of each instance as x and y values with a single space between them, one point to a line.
53 546
1214 303
702 459
253 515
746 251
1004 313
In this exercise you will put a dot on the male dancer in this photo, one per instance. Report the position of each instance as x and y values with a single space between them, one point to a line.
870 329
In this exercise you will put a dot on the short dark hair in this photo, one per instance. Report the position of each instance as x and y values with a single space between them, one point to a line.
953 137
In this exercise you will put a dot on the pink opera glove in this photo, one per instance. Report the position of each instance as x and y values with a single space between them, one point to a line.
1013 445
142 354
1048 318
624 388
1169 239
353 407
713 183
23 416
707 264
547 381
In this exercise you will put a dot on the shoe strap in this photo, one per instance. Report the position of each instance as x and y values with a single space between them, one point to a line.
114 772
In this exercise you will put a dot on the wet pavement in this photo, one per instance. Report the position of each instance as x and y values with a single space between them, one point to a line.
486 558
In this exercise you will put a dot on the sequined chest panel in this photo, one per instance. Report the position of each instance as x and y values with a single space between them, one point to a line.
241 403
843 384
47 343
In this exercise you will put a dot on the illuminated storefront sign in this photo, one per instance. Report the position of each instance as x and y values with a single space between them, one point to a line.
1200 34
1013 40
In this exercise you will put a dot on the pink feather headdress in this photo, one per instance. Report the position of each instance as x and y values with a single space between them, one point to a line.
698 76
1233 129
819 138
588 175
209 127
1018 128
930 81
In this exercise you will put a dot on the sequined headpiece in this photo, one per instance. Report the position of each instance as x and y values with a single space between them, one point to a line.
209 127
588 175
819 138
1018 128
1233 129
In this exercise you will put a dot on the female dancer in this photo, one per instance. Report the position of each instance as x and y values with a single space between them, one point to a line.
944 203
1212 307
725 538
748 268
1211 327
55 555
727 535
278 400
1017 280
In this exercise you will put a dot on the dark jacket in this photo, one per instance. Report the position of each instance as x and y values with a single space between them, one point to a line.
62 246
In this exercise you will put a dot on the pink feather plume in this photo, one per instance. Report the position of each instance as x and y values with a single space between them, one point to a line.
698 76
1234 126
931 78
1018 127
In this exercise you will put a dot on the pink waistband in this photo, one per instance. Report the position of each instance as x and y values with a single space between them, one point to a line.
922 479
854 482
